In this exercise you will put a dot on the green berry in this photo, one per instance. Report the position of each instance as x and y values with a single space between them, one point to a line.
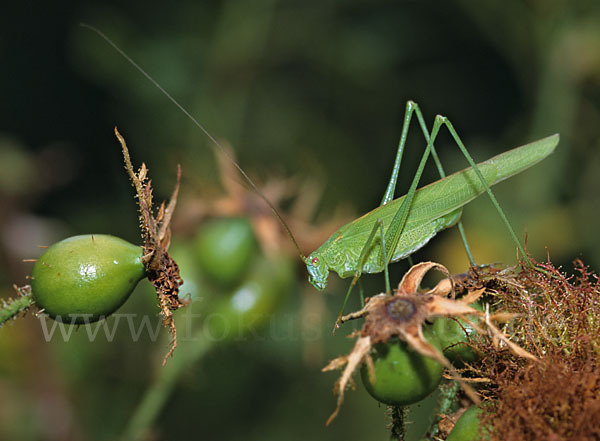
467 427
402 376
252 303
85 278
454 336
225 249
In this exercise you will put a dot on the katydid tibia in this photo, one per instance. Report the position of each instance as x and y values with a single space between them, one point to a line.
397 227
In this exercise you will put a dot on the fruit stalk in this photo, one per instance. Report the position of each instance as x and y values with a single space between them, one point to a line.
397 418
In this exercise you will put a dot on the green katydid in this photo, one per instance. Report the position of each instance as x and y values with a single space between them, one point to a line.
409 222
404 224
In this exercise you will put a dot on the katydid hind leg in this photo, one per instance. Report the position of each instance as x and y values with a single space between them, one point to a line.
390 190
412 108
396 227
442 173
463 237
397 224
489 191
388 288
399 221
361 293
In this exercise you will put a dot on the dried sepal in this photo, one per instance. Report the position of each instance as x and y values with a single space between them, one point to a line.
514 348
161 269
352 361
414 276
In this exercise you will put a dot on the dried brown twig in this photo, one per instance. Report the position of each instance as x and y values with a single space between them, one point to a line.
161 269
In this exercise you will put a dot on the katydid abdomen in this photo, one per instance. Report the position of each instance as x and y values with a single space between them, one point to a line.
435 207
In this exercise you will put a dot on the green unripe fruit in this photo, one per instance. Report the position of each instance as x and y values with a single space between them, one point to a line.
467 428
251 304
225 249
402 376
85 278
454 336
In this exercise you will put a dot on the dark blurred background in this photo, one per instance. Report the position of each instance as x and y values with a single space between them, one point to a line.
315 90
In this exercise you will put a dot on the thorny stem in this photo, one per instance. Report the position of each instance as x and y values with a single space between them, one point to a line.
148 224
12 307
397 420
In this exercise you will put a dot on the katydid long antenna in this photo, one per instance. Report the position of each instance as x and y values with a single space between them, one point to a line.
201 127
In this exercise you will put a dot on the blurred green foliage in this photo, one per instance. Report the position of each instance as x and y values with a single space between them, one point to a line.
315 89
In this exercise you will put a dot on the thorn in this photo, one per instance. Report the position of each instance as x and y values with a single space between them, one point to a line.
143 172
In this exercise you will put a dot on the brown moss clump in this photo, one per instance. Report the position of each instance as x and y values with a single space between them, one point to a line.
557 398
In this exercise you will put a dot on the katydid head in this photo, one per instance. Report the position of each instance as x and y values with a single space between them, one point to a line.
318 271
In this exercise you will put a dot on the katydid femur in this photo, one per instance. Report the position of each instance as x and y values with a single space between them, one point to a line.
398 227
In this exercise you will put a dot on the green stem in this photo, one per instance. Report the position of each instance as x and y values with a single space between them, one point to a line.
159 392
13 307
398 418
447 401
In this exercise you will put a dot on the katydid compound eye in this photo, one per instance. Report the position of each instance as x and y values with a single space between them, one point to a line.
315 261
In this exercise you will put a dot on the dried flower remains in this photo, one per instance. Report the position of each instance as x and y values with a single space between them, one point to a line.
403 314
161 269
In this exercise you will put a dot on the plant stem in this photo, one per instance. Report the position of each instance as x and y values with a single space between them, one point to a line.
159 392
13 307
447 401
398 417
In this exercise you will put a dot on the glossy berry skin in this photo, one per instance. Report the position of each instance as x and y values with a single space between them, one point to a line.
402 376
467 427
85 278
